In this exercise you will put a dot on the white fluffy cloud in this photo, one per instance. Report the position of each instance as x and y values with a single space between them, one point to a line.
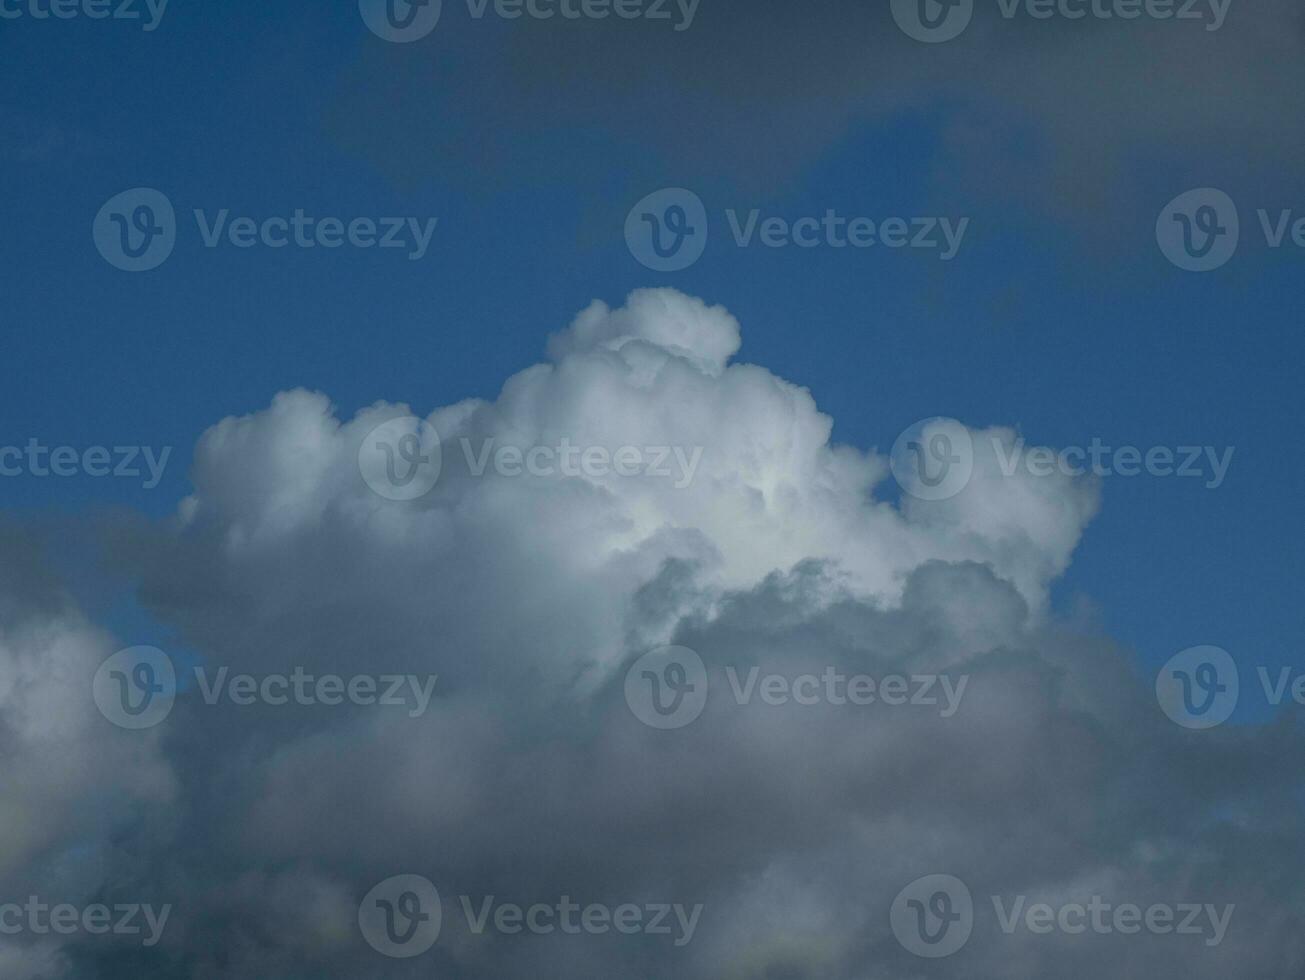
530 778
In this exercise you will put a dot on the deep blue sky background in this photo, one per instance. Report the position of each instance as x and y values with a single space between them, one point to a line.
1066 332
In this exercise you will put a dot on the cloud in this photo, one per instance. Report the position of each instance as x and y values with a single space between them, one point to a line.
73 788
530 778
1066 119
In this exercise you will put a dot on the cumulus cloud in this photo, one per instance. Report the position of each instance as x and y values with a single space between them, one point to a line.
530 593
74 789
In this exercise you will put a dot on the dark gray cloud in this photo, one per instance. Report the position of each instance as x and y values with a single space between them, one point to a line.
1068 120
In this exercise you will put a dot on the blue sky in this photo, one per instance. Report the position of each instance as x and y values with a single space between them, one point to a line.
1067 325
